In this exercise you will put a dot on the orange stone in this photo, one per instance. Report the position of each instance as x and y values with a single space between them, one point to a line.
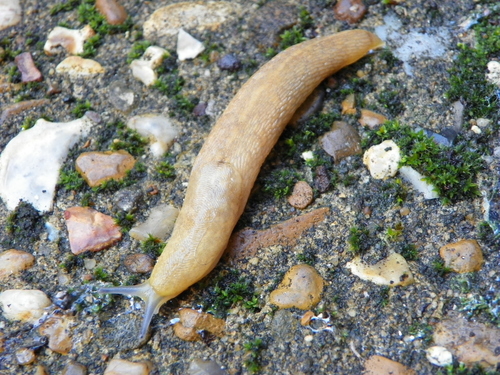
348 105
192 322
371 119
462 256
98 167
378 365
113 11
56 328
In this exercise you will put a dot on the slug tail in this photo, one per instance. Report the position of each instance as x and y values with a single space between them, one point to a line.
144 291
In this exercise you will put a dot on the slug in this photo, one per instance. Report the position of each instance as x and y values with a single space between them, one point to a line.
229 161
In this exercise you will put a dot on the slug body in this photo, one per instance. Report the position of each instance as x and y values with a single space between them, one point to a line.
228 163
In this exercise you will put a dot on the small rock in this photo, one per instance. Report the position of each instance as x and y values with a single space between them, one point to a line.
121 96
41 370
144 68
371 119
483 122
321 179
417 181
26 65
90 230
139 263
349 10
348 105
127 199
494 72
15 108
192 322
25 305
13 261
382 160
71 40
442 139
301 287
25 356
306 318
76 66
391 271
341 141
378 365
113 11
123 367
199 366
187 46
439 356
158 129
98 167
10 13
74 368
56 328
229 62
159 223
200 109
462 256
302 195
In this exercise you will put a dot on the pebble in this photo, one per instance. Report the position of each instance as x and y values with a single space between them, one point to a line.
188 47
446 138
10 13
76 66
56 328
139 263
391 271
370 119
159 129
462 256
30 163
321 179
121 96
90 230
24 305
417 181
302 195
244 243
25 356
301 287
341 141
382 160
199 366
349 10
348 105
69 39
378 365
112 10
159 223
439 356
74 368
123 367
192 322
13 261
143 69
15 108
127 199
97 167
229 62
200 109
493 74
26 65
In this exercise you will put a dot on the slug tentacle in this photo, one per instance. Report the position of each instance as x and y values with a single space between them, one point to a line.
144 291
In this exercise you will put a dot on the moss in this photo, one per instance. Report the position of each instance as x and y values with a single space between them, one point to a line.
307 257
280 183
89 15
253 349
394 234
152 246
28 123
409 252
297 34
137 50
384 296
125 220
101 275
165 170
462 369
64 7
70 179
128 139
440 268
90 46
358 240
391 102
183 105
81 107
421 331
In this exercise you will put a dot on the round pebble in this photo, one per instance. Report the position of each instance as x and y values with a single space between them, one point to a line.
462 256
382 160
229 62
113 11
349 10
302 195
139 263
25 305
122 367
13 261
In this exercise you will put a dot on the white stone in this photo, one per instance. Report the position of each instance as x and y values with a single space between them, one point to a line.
12 261
25 305
30 163
391 271
76 66
71 40
123 367
159 129
187 46
308 155
159 223
439 356
483 122
416 180
10 13
476 129
383 159
143 68
494 73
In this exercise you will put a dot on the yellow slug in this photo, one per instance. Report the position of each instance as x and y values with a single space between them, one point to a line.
230 160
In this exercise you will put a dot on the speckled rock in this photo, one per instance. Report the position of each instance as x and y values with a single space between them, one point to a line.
90 230
139 263
76 66
349 10
302 195
462 256
98 167
382 160
391 271
378 365
70 40
121 96
13 261
341 141
159 223
144 68
26 65
301 287
112 10
371 119
123 367
24 305
192 322
56 328
25 356
10 13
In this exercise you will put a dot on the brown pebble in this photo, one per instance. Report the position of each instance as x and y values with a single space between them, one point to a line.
123 367
302 195
404 211
341 141
306 318
25 356
367 211
192 322
26 65
349 10
462 256
41 370
139 263
74 368
321 179
113 11
301 287
90 230
13 261
56 328
348 105
99 167
371 119
378 365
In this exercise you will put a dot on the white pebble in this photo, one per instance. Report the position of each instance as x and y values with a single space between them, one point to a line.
382 160
10 13
494 72
143 68
12 261
187 46
159 223
416 180
25 305
159 129
439 356
71 40
476 129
